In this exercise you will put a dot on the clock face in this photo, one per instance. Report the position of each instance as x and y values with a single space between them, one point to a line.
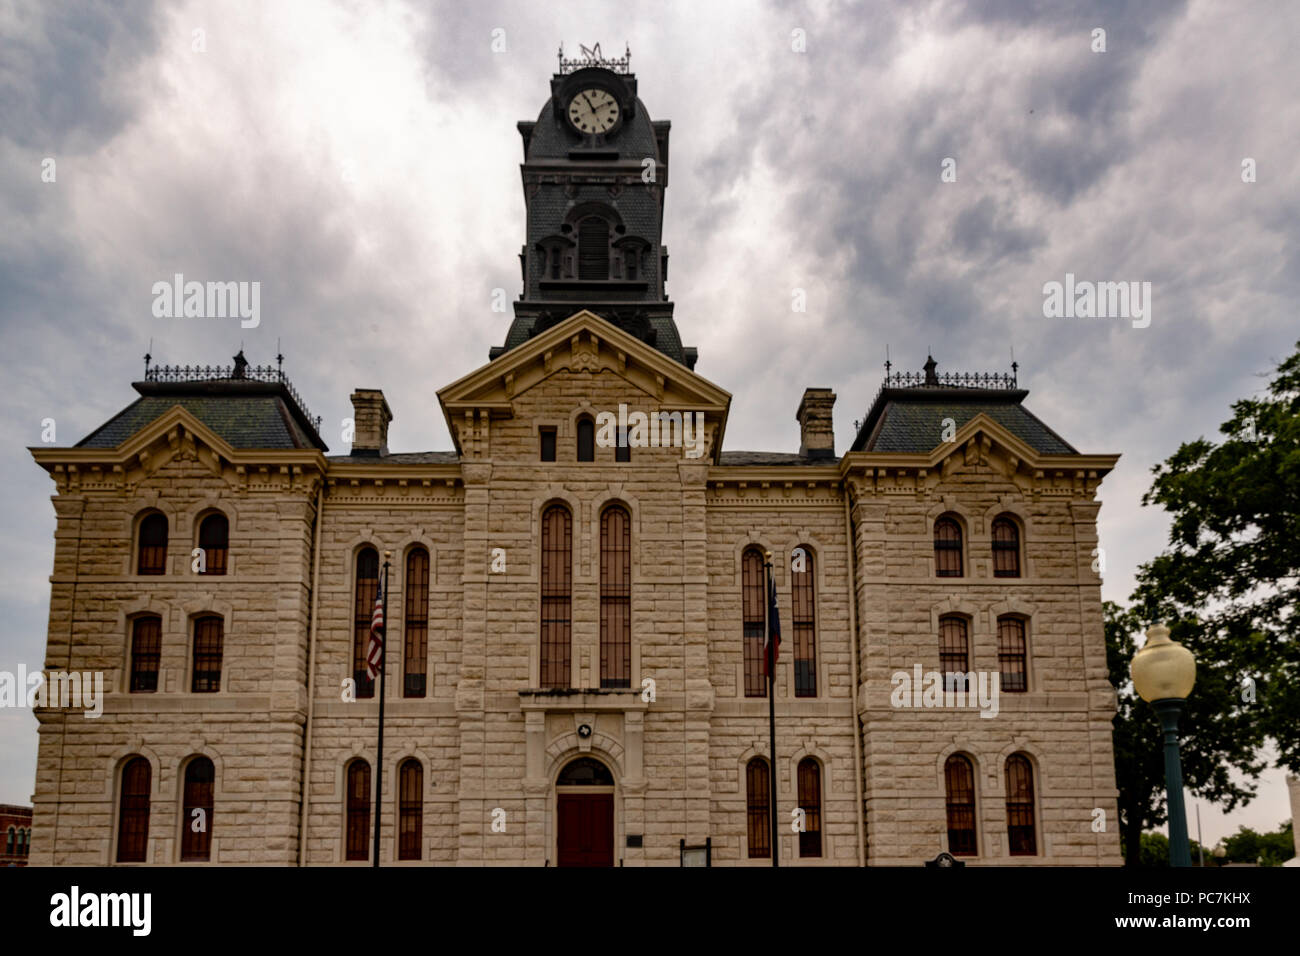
593 111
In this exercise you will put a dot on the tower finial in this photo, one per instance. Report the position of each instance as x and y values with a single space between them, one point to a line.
148 357
888 363
931 378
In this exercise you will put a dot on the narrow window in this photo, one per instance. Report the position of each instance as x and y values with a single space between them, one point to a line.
629 263
810 802
410 811
586 439
364 609
754 612
196 818
1006 549
214 539
416 623
954 653
1020 806
593 248
146 650
623 451
758 794
557 598
615 598
9 843
947 548
1013 654
554 254
358 838
207 655
805 629
547 436
133 813
959 782
152 557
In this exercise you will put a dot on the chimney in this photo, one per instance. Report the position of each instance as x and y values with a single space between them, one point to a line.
370 417
816 429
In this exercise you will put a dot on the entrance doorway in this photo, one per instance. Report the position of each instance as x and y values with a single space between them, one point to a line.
584 814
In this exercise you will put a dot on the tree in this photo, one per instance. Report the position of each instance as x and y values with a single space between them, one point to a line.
1267 849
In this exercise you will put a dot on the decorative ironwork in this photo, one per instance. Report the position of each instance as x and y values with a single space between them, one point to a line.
241 371
996 380
592 57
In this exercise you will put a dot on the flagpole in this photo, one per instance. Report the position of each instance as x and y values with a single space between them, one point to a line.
771 703
379 759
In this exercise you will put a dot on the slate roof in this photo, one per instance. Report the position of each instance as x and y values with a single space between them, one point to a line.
244 414
667 339
401 458
911 419
772 458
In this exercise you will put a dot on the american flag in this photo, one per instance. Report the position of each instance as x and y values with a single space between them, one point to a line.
375 652
773 628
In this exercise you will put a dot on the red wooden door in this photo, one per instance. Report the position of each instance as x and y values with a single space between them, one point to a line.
586 829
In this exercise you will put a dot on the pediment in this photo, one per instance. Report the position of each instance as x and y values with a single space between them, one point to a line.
582 343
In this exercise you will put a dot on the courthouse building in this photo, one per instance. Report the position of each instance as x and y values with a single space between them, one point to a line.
575 624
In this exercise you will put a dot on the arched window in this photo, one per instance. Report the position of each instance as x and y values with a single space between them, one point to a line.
410 810
133 812
557 596
1006 548
358 809
1013 655
27 841
758 798
214 539
415 661
615 597
586 439
208 639
593 248
196 815
1020 806
363 611
959 784
18 847
146 651
805 623
947 548
152 556
810 801
9 842
585 772
754 611
954 652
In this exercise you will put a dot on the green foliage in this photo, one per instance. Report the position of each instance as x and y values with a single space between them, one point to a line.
1267 849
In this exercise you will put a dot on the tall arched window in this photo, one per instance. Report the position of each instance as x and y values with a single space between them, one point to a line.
557 596
959 784
805 623
1013 654
22 842
810 801
1020 806
954 652
196 815
947 548
146 651
758 798
208 640
9 842
152 554
214 539
615 597
593 248
1006 548
586 439
410 810
415 660
754 611
133 812
363 611
358 810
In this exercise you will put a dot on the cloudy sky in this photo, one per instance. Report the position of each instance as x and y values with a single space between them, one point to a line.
360 160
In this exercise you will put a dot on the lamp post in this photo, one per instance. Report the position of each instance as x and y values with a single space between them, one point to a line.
1219 852
1163 674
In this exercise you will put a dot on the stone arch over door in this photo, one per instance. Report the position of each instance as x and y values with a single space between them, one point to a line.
584 823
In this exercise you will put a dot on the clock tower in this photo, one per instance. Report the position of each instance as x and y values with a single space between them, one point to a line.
594 173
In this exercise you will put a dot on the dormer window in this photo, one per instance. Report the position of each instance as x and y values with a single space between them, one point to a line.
593 248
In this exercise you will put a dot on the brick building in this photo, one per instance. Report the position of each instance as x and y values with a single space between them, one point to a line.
575 624
16 831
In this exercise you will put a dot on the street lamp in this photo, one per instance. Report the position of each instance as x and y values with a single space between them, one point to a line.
1219 852
1163 674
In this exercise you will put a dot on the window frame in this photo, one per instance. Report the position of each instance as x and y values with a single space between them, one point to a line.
615 597
211 681
803 622
585 439
415 623
753 616
134 675
136 850
363 597
1011 653
410 810
547 434
808 772
197 847
157 553
1022 807
949 545
955 807
555 606
211 567
356 812
1003 547
947 653
758 809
